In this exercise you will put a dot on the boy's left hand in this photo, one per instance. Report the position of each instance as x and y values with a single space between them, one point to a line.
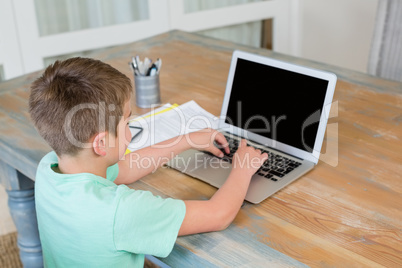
205 140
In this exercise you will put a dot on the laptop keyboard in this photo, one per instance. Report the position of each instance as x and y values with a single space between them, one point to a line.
274 168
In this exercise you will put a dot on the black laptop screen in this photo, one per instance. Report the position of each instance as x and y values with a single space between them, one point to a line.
279 104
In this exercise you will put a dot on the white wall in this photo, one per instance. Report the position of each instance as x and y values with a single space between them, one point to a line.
337 32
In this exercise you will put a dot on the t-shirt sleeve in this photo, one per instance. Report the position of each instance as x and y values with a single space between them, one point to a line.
147 224
112 172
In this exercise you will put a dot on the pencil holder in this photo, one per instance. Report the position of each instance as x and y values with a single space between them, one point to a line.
147 91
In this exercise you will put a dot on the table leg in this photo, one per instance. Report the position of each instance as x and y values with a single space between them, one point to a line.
22 210
21 202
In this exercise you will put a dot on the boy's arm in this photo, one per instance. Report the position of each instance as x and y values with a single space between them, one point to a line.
217 213
140 163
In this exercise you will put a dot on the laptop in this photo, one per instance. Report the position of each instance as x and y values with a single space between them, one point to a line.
280 108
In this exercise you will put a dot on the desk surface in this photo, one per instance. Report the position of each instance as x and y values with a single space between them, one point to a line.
346 212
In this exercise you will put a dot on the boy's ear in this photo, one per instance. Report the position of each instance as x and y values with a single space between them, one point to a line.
99 144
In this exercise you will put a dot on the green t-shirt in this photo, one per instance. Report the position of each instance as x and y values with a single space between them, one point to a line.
88 221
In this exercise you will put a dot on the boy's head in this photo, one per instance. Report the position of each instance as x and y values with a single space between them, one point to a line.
76 99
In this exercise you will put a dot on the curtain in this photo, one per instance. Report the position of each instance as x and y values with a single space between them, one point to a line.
1 73
386 48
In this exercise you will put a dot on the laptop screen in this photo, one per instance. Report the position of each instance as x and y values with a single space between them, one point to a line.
275 103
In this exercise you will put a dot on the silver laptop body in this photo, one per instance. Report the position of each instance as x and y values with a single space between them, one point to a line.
280 108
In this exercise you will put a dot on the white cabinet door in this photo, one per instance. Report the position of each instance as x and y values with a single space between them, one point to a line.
10 57
24 45
283 12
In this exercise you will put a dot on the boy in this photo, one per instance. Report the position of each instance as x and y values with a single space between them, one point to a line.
86 213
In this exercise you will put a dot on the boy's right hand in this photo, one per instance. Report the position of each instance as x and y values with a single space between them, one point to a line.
218 212
247 159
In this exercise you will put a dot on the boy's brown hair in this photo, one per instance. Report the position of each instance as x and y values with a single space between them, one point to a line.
75 99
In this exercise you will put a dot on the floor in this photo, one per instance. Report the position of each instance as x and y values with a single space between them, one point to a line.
6 222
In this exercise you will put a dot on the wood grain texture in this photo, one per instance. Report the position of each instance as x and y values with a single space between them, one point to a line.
347 212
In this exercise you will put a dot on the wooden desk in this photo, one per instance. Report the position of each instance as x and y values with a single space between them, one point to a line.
347 212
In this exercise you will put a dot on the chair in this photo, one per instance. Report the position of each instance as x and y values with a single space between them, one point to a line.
385 59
